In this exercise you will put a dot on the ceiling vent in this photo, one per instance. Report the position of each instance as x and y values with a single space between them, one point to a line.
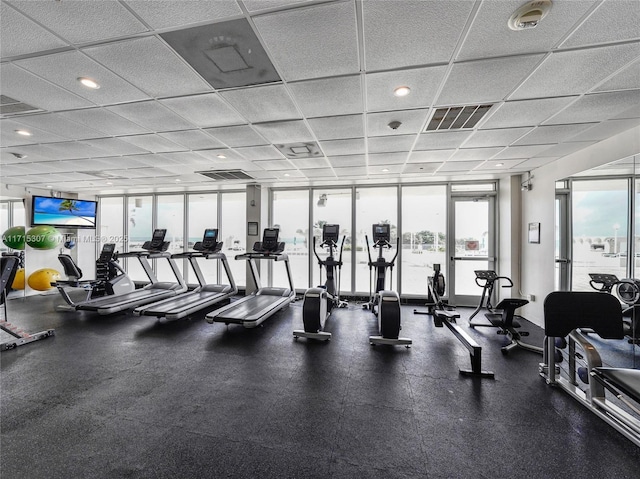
309 149
457 117
9 106
226 175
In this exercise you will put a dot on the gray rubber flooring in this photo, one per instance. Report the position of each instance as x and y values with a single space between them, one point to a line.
120 396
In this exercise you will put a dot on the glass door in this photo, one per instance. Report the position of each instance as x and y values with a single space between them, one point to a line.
471 245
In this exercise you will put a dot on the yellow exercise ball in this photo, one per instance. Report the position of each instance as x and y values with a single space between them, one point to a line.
41 279
18 280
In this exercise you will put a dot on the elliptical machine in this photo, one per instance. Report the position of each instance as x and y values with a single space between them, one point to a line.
319 302
385 304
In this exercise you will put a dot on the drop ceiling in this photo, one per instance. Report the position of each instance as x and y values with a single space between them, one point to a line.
294 92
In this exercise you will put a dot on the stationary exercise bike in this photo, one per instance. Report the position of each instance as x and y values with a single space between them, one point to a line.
628 291
503 316
319 302
385 304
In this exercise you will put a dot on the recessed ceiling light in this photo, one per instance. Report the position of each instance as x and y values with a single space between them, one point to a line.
499 164
109 183
385 170
221 156
23 132
287 174
89 83
178 180
48 186
402 91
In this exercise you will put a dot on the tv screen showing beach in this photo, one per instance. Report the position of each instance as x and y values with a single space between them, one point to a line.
63 212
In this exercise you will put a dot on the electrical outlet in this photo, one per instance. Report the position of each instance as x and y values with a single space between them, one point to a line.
531 297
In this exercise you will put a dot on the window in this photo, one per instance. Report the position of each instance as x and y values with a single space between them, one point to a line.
333 206
424 225
139 230
170 216
203 214
111 221
373 206
290 213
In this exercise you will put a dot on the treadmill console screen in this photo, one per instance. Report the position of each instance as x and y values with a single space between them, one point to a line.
107 252
158 238
270 239
210 238
330 233
381 232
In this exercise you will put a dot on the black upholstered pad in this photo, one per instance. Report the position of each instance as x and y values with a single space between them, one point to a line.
626 380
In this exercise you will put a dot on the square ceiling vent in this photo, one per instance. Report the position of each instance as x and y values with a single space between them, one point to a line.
9 106
457 117
225 54
309 149
226 175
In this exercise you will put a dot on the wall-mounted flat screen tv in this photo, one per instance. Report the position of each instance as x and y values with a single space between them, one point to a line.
63 212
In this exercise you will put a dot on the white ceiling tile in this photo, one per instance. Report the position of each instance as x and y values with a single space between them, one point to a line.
338 127
319 173
234 136
152 143
214 154
441 140
306 163
347 161
312 42
533 163
274 164
33 152
422 168
607 129
284 131
388 144
259 5
329 97
415 33
81 22
71 150
423 82
515 152
151 115
357 171
524 112
56 124
204 111
599 107
489 35
64 69
28 88
113 147
434 156
459 166
471 154
386 169
500 137
485 81
551 134
387 158
353 146
256 153
411 121
169 14
614 20
263 103
19 35
186 158
576 71
628 78
150 65
564 149
192 139
9 137
500 165
104 121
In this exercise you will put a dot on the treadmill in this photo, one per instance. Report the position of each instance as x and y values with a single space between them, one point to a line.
206 295
253 310
154 291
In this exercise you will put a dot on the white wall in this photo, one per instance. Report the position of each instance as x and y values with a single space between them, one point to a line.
538 205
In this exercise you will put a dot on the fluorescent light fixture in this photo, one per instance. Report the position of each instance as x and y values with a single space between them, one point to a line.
23 132
89 83
402 91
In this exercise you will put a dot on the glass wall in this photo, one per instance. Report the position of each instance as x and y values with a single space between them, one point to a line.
333 207
600 212
139 230
233 231
170 216
424 225
111 222
373 206
290 213
203 214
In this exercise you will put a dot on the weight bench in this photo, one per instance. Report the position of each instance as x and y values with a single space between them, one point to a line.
508 324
